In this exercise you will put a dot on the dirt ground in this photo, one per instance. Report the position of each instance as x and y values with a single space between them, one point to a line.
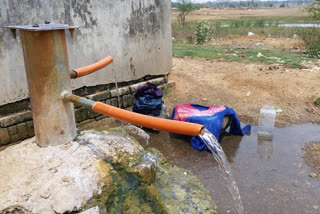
312 157
246 87
218 14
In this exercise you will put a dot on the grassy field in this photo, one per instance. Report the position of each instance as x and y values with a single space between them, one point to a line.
265 27
236 54
262 21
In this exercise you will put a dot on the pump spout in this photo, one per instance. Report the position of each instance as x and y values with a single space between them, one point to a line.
137 119
83 71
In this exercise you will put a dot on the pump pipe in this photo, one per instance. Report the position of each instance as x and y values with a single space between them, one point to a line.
83 71
173 126
124 115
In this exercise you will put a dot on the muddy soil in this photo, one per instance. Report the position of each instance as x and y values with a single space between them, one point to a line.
246 87
312 158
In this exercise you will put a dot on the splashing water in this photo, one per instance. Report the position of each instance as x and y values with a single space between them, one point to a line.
219 155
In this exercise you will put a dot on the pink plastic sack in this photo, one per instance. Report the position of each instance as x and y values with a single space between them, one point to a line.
183 111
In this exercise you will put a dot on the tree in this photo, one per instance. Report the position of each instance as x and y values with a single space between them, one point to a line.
312 39
184 8
314 10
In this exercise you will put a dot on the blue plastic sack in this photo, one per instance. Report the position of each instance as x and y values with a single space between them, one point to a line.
213 123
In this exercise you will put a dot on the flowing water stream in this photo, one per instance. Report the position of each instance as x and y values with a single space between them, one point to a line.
118 95
224 166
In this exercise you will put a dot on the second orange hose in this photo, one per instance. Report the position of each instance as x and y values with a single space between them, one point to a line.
93 67
148 121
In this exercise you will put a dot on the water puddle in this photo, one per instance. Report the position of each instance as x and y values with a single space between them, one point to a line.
270 173
299 25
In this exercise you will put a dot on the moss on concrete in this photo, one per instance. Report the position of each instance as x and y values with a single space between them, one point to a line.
146 183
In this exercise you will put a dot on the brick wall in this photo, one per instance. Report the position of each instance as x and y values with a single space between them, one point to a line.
16 118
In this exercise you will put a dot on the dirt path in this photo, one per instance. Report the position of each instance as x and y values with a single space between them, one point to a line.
228 13
246 87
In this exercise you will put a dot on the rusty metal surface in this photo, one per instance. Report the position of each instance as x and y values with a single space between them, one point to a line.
47 69
79 100
42 27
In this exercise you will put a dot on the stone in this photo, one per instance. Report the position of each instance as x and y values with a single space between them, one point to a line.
121 102
22 130
96 114
125 101
134 87
108 102
103 95
30 128
91 114
259 44
130 100
165 79
114 102
81 114
77 114
122 91
66 200
146 171
15 118
157 81
84 114
171 183
98 171
141 136
161 87
13 132
93 210
313 175
4 136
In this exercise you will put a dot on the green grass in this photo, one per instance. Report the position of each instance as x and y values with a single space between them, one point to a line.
263 26
233 54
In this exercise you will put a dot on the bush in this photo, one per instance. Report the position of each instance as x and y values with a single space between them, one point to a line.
204 32
312 42
314 10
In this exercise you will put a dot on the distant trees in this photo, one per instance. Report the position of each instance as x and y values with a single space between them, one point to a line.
269 4
184 7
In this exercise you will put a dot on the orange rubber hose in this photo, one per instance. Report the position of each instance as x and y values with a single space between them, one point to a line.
148 121
92 68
